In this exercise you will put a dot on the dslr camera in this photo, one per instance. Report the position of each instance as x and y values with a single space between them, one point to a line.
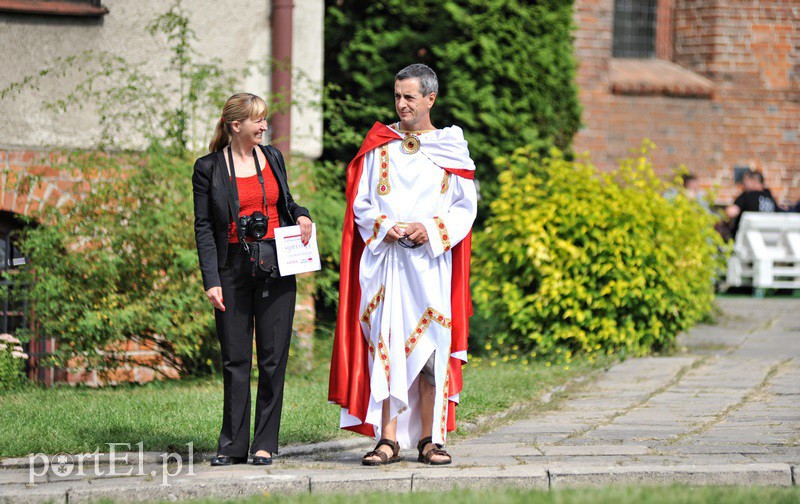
254 225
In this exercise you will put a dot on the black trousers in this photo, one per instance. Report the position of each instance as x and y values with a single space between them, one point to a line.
246 309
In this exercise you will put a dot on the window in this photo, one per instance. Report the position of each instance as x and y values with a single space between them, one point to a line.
13 310
635 28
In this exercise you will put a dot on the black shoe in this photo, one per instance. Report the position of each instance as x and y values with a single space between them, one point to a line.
224 460
262 461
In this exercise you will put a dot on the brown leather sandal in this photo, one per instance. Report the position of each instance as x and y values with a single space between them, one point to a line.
436 450
384 459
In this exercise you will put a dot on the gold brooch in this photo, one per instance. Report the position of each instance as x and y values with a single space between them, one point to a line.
411 144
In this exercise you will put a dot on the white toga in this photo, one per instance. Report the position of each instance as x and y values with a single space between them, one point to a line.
405 293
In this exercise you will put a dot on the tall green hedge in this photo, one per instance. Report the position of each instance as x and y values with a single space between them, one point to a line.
506 70
577 260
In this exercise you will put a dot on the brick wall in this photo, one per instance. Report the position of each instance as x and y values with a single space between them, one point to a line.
751 53
52 186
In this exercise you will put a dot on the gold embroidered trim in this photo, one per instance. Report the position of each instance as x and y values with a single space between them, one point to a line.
384 187
445 182
442 233
383 352
445 402
375 229
430 315
366 317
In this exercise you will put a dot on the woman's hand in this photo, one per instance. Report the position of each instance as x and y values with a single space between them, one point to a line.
214 295
305 229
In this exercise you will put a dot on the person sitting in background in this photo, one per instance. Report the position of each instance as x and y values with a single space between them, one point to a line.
691 184
755 198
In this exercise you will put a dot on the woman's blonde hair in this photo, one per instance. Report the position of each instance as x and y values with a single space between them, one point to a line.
239 107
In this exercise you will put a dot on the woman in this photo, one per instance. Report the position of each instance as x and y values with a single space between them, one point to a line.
230 182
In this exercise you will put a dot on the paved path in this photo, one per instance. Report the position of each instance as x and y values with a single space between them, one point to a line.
726 411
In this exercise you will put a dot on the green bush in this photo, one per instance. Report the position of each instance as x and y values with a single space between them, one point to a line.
576 260
506 70
121 264
326 203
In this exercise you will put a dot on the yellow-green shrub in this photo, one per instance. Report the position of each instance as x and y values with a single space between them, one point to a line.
572 259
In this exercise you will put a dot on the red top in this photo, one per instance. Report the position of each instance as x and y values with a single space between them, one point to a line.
251 200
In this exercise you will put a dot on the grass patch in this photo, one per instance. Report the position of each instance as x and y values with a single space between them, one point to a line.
609 495
166 416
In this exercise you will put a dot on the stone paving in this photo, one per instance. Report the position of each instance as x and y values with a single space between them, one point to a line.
726 411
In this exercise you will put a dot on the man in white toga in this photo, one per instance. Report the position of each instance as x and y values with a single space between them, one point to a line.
401 334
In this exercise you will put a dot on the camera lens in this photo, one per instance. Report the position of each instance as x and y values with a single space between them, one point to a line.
258 226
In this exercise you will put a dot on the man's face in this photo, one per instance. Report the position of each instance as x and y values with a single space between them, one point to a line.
751 184
413 109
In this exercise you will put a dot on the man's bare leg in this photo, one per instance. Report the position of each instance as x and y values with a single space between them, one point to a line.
388 431
427 398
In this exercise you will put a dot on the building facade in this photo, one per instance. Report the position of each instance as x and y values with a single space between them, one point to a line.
715 84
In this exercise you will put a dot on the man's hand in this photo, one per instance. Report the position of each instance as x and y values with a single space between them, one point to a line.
214 295
416 233
394 234
305 228
733 211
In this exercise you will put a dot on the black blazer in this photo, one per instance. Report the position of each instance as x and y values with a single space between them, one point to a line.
212 215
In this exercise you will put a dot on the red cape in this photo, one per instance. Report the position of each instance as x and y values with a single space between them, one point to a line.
349 378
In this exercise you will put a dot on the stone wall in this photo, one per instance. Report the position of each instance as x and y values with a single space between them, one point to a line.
237 32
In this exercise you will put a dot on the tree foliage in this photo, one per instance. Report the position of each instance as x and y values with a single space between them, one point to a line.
505 67
121 265
585 261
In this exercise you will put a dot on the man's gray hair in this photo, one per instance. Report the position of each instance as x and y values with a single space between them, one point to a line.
428 83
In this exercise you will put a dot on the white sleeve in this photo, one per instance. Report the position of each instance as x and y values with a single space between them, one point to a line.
372 223
445 231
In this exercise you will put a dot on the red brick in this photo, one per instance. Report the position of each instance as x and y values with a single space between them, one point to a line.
44 171
54 197
144 375
169 373
19 204
145 359
23 157
84 377
117 376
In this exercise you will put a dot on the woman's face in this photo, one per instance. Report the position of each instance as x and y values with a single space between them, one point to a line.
252 130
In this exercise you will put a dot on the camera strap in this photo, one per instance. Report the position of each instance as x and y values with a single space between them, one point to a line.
233 194
233 200
261 181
